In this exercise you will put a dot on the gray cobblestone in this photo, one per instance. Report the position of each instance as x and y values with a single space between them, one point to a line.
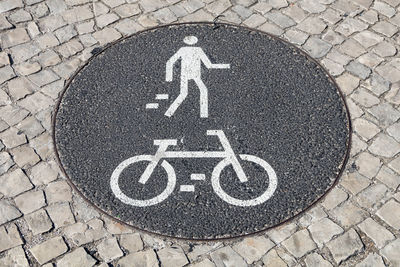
38 222
12 138
172 257
5 162
30 201
271 28
9 237
109 249
299 243
253 248
272 259
348 214
27 68
390 252
15 257
312 25
131 242
6 73
384 146
14 37
390 213
334 198
295 12
324 230
227 257
358 69
316 47
380 235
8 212
146 258
345 246
49 249
312 6
7 5
14 183
78 257
279 19
385 28
385 49
61 214
315 259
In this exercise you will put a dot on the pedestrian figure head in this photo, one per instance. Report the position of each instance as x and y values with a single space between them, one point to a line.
190 40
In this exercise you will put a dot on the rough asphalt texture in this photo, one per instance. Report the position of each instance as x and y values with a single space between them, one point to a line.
273 103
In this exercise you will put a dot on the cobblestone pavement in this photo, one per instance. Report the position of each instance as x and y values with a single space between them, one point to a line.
44 222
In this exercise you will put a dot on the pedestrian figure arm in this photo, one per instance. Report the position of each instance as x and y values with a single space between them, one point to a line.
210 65
169 70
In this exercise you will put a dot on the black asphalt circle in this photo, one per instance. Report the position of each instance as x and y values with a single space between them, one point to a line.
202 132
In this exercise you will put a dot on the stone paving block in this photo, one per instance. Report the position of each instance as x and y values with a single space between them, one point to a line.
146 258
354 182
254 21
165 16
333 68
24 52
315 259
51 23
312 25
280 233
253 248
358 69
20 87
77 258
345 6
348 214
218 7
388 177
390 213
49 58
376 232
277 4
271 29
77 14
4 23
85 27
14 183
128 27
384 146
30 201
377 84
372 260
14 37
296 37
347 83
384 9
394 131
47 40
243 12
368 165
12 138
385 113
131 242
385 28
6 162
345 246
56 6
227 257
365 98
365 128
179 11
4 59
202 249
9 237
350 26
199 16
39 10
66 33
311 216
49 249
60 214
7 5
109 249
324 230
43 173
14 257
12 114
38 222
70 48
357 145
391 252
116 228
272 259
172 257
316 47
106 19
114 3
27 68
372 196
352 48
100 9
312 6
295 13
20 16
36 102
203 263
30 127
370 60
6 73
128 10
364 3
279 19
58 191
299 243
106 36
334 198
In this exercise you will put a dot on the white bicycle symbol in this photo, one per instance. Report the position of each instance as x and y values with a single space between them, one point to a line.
228 158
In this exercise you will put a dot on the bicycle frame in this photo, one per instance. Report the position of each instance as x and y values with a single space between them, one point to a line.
162 152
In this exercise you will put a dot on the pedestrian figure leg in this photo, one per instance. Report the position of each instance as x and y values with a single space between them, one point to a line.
178 101
203 98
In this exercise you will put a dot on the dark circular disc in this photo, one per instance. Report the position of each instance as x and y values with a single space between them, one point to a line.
202 132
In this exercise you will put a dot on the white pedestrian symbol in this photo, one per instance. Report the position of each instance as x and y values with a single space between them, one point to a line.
191 58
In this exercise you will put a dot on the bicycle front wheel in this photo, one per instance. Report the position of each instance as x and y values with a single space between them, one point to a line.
114 182
273 182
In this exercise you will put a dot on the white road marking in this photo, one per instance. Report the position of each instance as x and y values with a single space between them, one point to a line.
162 96
191 59
187 188
197 176
152 106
